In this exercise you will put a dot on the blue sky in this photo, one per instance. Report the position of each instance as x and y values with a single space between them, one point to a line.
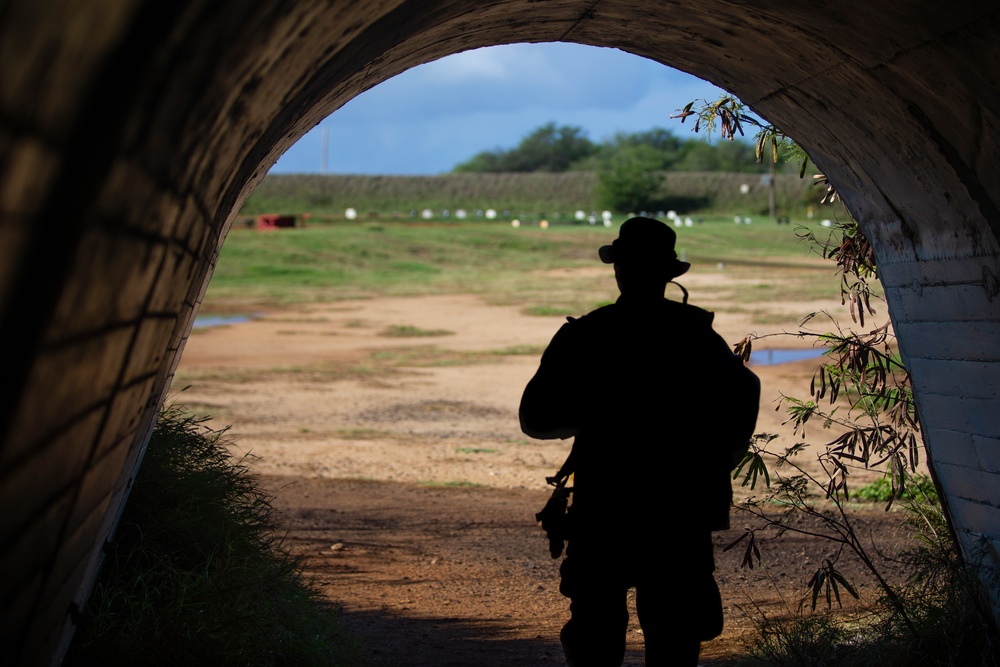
430 118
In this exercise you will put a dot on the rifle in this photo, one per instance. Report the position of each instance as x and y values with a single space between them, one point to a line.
554 517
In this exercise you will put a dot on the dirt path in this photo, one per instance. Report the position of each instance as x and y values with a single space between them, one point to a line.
452 576
407 486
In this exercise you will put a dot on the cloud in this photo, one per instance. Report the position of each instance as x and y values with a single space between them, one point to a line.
465 68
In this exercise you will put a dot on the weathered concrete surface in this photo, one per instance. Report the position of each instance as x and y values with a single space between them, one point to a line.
131 130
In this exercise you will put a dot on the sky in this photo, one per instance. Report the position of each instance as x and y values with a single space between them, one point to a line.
432 117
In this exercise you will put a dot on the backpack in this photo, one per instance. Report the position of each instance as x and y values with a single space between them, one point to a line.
734 437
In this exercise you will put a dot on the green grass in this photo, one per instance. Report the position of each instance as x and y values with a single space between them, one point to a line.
549 311
326 371
518 350
432 356
521 267
881 490
196 573
410 331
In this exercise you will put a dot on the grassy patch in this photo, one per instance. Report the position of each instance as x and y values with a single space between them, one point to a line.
197 574
323 372
418 356
409 331
477 450
363 434
880 490
201 411
549 311
325 263
517 350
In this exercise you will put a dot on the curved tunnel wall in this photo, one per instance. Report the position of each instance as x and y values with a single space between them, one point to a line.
131 130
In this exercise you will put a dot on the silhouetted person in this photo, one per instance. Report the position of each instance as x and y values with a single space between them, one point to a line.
646 387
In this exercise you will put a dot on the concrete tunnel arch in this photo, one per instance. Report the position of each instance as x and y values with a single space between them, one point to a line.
133 130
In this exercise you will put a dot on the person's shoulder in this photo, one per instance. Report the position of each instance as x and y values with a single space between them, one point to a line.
595 316
692 314
607 310
587 325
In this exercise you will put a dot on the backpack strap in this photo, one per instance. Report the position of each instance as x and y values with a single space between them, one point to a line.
562 475
683 290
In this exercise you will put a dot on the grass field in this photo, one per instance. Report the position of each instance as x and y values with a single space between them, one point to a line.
329 262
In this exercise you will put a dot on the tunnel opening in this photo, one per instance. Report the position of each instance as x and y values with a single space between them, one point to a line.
161 180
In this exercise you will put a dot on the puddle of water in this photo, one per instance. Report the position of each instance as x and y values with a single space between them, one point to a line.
218 321
779 356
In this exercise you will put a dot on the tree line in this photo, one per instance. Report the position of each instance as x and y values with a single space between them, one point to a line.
629 166
567 148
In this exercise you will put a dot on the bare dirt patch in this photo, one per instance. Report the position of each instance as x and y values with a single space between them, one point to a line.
408 488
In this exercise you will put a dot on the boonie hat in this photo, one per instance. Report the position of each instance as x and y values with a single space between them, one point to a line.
647 241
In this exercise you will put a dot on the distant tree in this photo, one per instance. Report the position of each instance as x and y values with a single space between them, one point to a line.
630 178
548 148
668 147
729 156
554 149
482 162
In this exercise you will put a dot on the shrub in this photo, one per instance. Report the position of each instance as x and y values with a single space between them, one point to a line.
947 620
196 573
629 179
